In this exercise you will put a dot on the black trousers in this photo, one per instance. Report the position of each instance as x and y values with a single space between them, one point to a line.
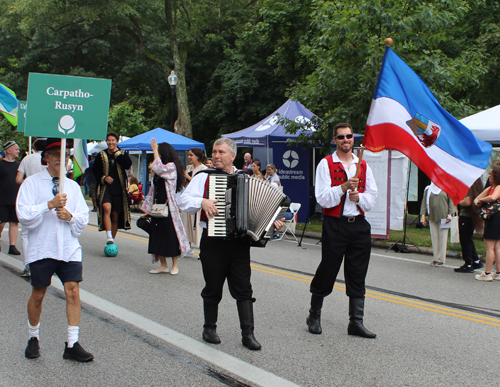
341 239
225 259
466 230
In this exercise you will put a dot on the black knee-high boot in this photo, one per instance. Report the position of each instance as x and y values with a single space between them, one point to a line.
356 312
314 319
209 328
245 312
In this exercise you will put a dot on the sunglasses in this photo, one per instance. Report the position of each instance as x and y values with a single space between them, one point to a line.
342 136
55 188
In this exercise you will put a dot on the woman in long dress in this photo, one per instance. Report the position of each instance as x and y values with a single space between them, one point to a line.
196 158
167 237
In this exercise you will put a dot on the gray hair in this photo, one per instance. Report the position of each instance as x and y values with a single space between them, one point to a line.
228 141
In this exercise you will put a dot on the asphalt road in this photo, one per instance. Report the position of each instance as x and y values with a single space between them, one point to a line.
435 327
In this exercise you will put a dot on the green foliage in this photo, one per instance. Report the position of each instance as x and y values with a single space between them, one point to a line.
241 59
125 120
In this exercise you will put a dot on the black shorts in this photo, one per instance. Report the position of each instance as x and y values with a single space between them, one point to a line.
42 271
8 214
115 200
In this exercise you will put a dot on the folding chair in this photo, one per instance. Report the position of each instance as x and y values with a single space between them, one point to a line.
289 225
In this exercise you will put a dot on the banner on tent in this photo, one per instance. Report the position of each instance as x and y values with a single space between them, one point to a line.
67 106
292 164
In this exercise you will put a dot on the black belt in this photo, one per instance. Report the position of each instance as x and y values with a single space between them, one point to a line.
351 219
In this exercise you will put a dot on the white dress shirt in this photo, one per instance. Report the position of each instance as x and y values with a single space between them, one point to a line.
191 198
31 164
48 236
328 196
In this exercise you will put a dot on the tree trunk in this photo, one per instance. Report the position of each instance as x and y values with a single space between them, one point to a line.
179 55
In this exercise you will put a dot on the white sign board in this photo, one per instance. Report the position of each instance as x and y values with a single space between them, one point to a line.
379 216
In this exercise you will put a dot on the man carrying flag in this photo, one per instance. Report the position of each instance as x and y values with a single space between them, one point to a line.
346 189
406 116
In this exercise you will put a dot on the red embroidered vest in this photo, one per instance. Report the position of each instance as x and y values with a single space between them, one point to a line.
339 177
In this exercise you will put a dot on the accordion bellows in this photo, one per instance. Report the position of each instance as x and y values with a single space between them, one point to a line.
247 206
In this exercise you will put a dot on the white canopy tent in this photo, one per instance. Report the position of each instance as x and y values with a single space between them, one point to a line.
485 125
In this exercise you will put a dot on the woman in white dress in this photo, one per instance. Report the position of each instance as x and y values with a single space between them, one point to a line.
196 159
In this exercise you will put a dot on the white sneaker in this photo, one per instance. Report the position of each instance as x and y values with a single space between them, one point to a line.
496 276
484 277
110 241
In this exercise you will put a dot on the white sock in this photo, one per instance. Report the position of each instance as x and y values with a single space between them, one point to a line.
72 335
109 235
34 330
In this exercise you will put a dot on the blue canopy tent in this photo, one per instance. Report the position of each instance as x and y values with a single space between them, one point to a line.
142 142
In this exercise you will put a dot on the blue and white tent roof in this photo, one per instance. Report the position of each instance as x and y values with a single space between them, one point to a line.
269 129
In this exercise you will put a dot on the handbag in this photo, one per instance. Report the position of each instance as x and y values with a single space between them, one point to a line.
159 210
488 210
144 223
454 234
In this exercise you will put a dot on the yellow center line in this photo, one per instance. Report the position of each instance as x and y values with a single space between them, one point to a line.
390 298
372 294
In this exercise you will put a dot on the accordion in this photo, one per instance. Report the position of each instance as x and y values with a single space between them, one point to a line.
247 206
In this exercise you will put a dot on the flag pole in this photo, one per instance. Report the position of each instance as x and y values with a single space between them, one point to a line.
62 169
360 158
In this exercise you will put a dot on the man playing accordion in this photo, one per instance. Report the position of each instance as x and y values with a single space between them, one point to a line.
221 259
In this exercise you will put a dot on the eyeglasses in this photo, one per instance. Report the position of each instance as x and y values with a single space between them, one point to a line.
55 188
342 136
58 154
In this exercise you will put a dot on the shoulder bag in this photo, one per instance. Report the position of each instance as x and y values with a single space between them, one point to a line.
488 210
159 210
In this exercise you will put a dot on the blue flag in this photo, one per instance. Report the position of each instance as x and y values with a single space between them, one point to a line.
8 101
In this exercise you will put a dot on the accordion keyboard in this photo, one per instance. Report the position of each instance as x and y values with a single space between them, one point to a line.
217 187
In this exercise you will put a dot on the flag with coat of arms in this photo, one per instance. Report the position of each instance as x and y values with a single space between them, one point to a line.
405 116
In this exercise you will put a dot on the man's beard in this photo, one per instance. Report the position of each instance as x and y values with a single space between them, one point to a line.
346 150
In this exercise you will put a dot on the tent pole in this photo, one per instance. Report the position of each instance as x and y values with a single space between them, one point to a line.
267 146
144 170
314 166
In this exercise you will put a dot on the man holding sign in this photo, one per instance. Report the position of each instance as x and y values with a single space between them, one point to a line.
54 221
346 189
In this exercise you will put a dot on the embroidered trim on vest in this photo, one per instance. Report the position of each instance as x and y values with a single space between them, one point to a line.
338 177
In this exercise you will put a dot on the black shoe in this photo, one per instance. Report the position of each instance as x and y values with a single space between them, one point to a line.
77 353
314 322
33 349
464 269
356 313
357 329
26 273
477 265
249 341
13 250
245 313
94 210
210 335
